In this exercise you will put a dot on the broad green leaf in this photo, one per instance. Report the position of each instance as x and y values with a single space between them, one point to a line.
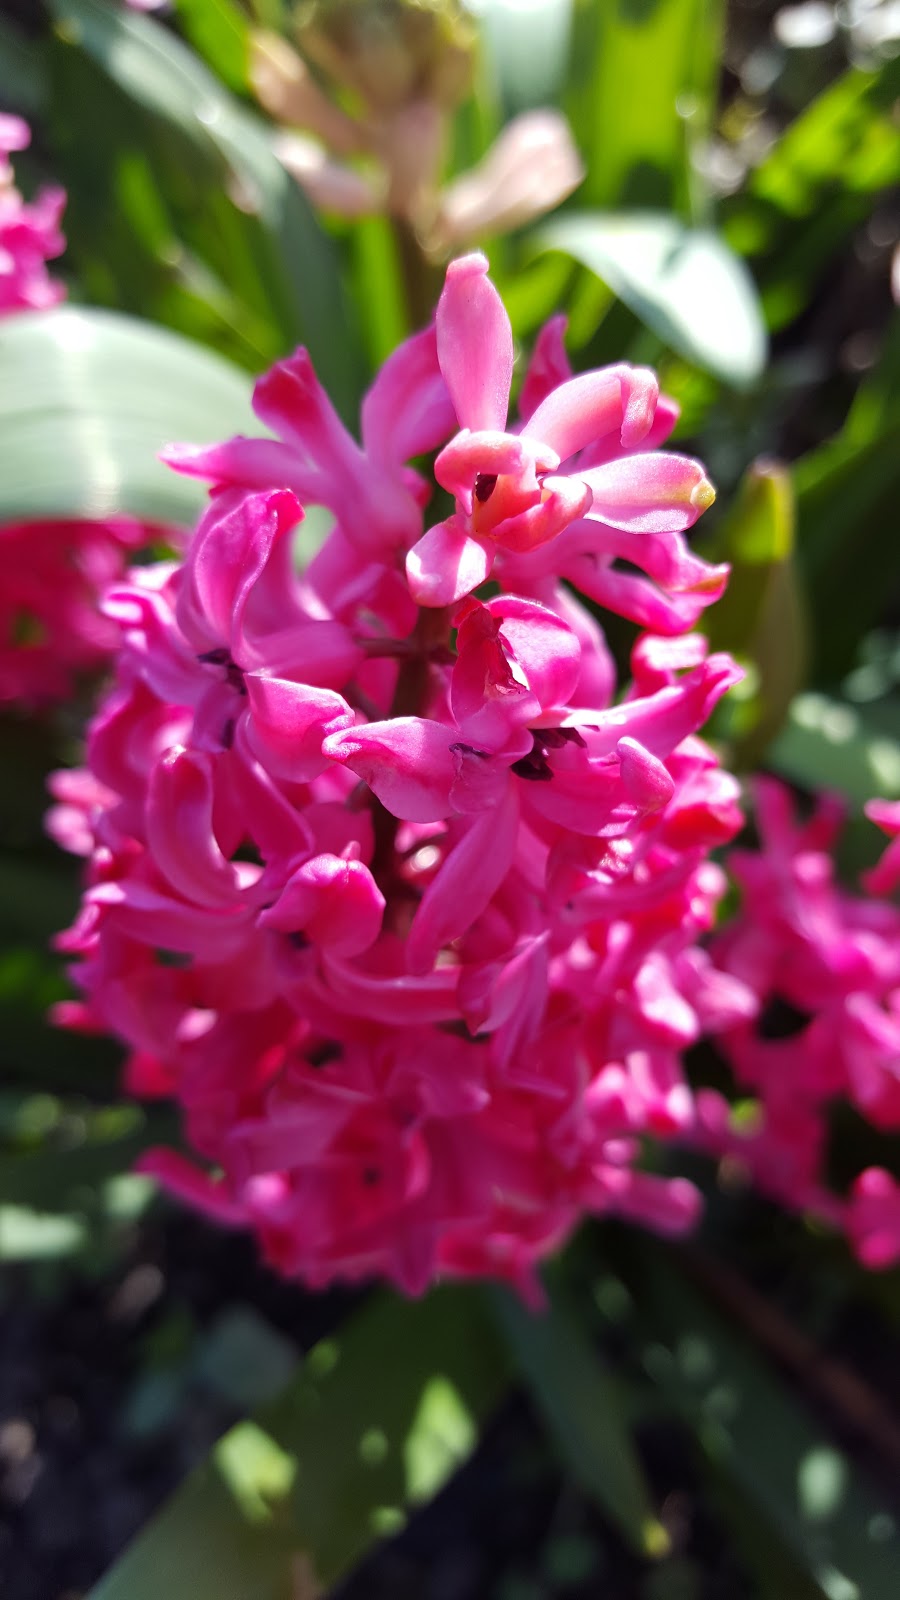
757 1432
642 95
378 1417
581 1401
683 283
218 29
87 398
272 224
828 744
761 617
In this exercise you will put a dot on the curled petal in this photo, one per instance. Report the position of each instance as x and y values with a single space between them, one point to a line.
543 647
620 400
563 500
407 762
446 565
662 720
475 344
180 829
334 901
231 551
489 452
288 722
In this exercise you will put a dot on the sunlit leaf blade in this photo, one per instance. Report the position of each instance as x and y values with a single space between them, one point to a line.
761 617
296 264
581 1401
683 283
218 29
643 89
527 48
755 1430
378 1418
87 398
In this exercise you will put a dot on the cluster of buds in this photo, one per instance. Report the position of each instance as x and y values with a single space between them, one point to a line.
824 965
53 572
389 884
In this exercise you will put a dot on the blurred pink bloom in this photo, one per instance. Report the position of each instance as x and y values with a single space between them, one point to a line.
824 965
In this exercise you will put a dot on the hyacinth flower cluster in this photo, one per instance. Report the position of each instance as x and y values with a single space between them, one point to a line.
53 571
390 884
824 965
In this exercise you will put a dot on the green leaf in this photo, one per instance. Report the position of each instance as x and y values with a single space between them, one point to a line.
643 92
378 1416
815 187
87 398
828 744
23 80
683 283
756 1432
527 48
847 493
761 617
294 265
581 1401
218 29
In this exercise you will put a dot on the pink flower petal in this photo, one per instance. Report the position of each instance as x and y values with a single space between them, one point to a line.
446 565
407 763
658 493
475 344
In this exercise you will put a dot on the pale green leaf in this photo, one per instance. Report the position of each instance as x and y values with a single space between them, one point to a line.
684 283
88 398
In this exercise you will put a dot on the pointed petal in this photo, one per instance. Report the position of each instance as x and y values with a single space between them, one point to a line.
408 411
475 344
548 368
463 886
244 464
659 493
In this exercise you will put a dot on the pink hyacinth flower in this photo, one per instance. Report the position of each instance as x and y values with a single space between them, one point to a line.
510 493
